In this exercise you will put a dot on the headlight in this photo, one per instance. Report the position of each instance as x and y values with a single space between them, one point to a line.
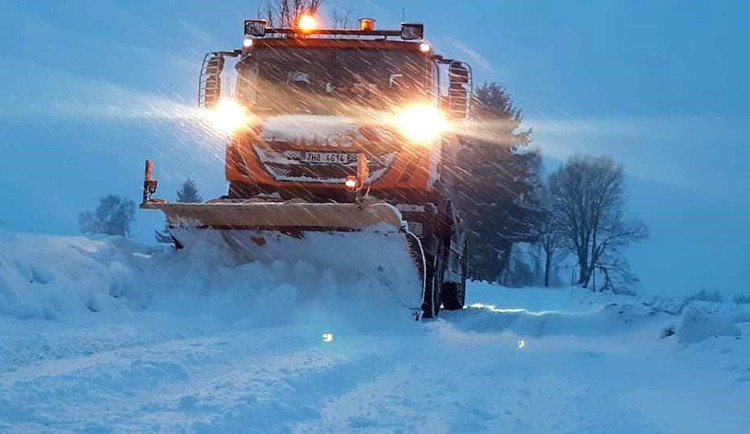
422 123
227 116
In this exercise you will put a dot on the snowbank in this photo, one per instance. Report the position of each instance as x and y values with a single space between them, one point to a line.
696 325
580 312
45 276
612 318
541 299
53 277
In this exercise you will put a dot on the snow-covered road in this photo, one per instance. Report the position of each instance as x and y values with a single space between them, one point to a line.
194 361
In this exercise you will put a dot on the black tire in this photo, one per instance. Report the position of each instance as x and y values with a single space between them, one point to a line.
433 287
454 294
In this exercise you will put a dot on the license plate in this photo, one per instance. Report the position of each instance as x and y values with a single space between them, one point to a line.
324 158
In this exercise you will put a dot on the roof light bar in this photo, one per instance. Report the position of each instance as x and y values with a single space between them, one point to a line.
307 26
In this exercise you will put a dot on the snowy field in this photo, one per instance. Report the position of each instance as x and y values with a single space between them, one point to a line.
106 335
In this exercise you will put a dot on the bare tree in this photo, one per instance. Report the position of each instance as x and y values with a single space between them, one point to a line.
552 241
342 16
113 216
587 204
547 233
286 13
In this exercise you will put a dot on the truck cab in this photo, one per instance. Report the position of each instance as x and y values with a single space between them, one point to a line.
321 104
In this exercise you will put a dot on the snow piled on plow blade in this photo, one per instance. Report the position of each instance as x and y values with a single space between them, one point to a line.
350 242
52 277
378 255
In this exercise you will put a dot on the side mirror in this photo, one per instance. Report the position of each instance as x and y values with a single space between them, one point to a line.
209 88
459 90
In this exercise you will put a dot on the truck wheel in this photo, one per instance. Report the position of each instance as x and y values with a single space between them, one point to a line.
432 297
453 296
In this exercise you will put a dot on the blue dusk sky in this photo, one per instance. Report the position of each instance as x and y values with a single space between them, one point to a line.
92 88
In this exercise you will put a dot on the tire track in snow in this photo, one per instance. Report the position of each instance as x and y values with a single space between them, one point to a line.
300 382
95 382
215 382
115 358
32 342
468 386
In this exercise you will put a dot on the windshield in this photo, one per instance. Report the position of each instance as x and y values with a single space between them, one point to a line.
330 80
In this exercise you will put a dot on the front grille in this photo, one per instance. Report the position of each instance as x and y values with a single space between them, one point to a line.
286 166
310 173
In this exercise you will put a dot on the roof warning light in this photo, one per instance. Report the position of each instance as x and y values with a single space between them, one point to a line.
366 24
307 23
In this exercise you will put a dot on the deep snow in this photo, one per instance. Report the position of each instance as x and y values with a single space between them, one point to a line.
106 334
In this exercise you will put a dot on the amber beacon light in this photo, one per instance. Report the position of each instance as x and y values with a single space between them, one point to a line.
307 23
366 24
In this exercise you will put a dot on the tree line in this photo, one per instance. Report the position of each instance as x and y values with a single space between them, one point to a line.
577 212
115 214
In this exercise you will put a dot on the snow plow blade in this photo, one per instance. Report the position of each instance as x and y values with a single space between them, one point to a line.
278 215
358 241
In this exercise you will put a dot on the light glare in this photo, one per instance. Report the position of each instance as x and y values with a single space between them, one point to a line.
307 23
421 124
227 116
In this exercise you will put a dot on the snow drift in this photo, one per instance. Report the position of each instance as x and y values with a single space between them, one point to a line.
56 277
46 276
696 325
53 277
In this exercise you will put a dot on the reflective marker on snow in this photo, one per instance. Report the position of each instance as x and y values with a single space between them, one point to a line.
327 338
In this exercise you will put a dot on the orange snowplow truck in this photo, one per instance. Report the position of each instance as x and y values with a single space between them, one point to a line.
337 133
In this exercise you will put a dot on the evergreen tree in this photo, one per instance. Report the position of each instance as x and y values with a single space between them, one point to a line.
497 176
188 193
